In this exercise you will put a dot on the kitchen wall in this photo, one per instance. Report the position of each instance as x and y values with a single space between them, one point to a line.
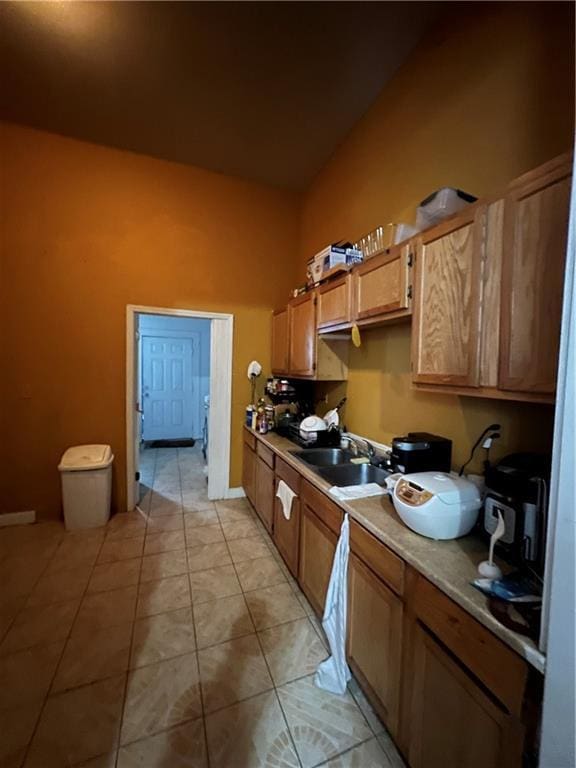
87 230
485 97
183 327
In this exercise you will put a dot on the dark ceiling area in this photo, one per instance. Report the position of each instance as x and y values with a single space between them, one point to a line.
265 91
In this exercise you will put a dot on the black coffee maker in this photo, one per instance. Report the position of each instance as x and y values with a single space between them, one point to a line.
517 487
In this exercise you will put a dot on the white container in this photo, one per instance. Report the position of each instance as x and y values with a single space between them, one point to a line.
436 504
404 232
441 204
86 474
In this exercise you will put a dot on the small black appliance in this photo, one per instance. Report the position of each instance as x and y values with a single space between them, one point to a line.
421 452
517 487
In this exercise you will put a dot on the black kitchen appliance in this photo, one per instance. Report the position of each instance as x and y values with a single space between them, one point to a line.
420 452
517 486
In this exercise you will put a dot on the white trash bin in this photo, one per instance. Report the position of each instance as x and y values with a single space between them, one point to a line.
86 473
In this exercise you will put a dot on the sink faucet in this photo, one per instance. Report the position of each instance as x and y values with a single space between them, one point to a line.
369 451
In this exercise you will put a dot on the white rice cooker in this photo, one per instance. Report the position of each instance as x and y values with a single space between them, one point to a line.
437 504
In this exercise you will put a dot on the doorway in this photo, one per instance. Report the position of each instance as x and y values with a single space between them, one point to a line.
178 390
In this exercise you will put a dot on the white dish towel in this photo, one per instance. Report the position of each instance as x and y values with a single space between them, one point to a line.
286 496
333 674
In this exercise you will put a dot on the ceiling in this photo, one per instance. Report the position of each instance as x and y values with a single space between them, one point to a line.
265 91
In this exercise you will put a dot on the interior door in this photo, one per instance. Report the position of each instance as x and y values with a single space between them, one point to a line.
170 377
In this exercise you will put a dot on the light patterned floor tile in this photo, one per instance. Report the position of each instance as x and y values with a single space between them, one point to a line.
78 725
204 534
161 523
163 596
181 747
25 676
250 734
40 625
121 549
108 576
60 586
77 550
102 761
358 695
232 671
126 525
390 750
273 605
163 636
241 529
206 556
164 542
292 650
160 696
94 655
221 620
105 609
213 584
161 505
259 573
248 549
322 725
200 518
163 565
366 755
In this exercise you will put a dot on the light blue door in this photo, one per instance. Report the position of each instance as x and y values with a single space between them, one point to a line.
170 375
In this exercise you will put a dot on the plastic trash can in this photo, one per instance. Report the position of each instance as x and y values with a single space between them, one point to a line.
86 474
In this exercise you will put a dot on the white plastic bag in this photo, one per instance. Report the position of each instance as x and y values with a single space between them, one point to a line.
333 674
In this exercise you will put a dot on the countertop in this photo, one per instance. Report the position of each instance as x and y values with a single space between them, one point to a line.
450 565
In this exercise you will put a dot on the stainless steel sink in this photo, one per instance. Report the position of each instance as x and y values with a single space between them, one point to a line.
324 457
353 474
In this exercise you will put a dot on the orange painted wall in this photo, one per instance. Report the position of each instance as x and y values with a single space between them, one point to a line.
87 230
487 95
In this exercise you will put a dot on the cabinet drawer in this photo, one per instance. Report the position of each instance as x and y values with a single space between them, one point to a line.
330 514
265 453
385 564
501 670
249 438
288 474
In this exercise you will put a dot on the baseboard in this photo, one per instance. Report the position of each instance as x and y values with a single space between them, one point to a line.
235 493
17 518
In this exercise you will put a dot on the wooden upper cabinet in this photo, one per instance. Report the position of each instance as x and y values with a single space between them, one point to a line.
280 342
302 335
334 305
447 293
381 284
535 239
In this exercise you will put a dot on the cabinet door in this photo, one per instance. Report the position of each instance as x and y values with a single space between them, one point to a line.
374 640
302 335
264 493
334 303
287 533
317 547
381 284
280 348
453 722
249 473
535 237
447 293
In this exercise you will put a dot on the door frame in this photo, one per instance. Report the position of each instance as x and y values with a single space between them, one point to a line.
219 420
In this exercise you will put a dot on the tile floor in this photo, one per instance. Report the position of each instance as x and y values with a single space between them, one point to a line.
173 638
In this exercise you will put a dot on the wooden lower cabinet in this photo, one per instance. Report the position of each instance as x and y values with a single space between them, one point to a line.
454 722
249 473
374 642
264 493
287 533
317 547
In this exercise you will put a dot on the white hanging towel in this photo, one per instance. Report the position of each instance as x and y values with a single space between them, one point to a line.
333 674
286 496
